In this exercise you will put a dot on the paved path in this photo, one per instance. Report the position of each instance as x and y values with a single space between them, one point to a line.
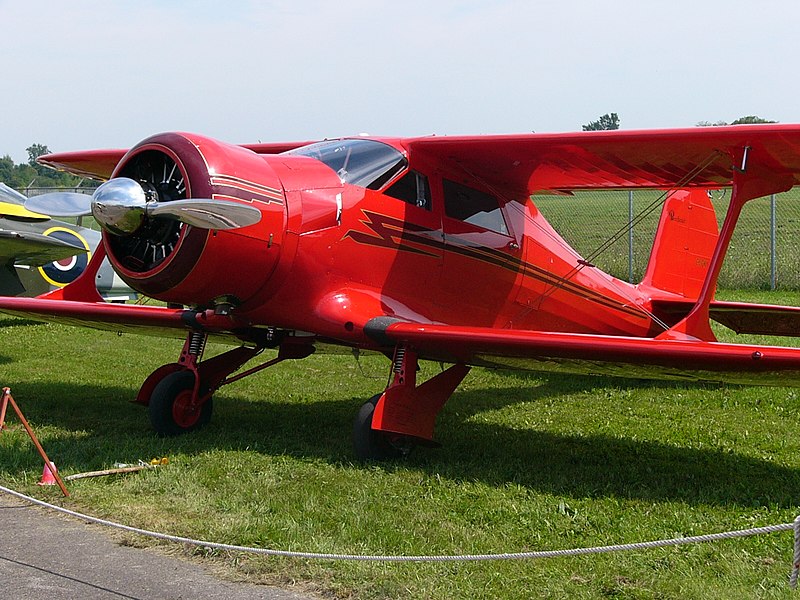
47 555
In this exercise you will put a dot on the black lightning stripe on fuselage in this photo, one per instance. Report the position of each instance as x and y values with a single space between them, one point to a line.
389 232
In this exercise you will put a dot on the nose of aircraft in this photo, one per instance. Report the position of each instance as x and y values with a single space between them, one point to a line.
229 196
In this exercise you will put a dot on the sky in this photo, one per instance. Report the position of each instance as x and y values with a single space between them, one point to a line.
108 73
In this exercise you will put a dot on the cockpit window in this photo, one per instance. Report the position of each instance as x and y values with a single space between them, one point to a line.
473 206
365 163
413 188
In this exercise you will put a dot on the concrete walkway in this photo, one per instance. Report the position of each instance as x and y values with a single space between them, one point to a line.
47 555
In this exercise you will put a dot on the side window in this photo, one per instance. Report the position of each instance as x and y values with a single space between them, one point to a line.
473 206
412 188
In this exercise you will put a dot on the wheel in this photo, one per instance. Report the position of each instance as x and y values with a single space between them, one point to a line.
170 407
376 445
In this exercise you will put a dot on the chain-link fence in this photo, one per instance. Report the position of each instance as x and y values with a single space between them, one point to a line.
762 255
38 191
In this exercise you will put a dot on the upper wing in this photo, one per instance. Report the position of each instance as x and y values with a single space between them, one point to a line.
701 156
100 164
34 249
595 354
530 163
97 164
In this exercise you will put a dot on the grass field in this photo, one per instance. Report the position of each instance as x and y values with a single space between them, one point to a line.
528 462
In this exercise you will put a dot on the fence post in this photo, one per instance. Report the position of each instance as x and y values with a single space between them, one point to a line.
772 246
630 236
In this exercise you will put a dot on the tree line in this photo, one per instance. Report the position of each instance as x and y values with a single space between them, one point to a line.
611 121
32 174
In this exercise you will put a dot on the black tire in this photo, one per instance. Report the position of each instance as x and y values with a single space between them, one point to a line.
170 418
369 444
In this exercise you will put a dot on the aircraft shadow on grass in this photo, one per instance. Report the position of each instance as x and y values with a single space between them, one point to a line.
575 465
17 322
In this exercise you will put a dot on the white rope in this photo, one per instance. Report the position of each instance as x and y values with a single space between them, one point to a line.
443 558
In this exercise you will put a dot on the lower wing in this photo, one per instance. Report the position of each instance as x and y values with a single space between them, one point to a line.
645 358
480 346
129 318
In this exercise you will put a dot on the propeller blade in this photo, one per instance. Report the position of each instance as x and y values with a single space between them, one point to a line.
206 214
61 204
120 206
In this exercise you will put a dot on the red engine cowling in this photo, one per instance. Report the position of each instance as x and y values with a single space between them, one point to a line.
175 262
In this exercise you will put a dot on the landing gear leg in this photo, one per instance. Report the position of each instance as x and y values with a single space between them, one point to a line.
391 424
178 399
178 395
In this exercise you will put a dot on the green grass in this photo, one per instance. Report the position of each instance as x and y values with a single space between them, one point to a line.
528 462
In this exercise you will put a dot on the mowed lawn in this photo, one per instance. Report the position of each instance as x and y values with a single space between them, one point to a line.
528 462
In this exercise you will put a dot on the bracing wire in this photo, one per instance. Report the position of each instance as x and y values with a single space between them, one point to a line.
626 228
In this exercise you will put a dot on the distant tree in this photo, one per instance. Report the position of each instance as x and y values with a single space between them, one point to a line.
35 151
749 120
8 171
607 121
32 173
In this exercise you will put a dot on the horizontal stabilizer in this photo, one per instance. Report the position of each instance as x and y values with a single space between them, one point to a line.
741 317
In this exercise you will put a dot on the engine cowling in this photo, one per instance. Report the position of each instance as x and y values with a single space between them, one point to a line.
175 262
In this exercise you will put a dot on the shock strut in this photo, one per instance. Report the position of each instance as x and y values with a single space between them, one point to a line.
197 344
193 349
399 357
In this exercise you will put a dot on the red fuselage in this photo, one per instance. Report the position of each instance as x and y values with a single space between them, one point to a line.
366 223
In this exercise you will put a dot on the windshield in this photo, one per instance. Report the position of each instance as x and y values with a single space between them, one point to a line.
365 163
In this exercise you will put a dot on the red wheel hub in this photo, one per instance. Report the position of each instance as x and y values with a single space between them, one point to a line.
185 412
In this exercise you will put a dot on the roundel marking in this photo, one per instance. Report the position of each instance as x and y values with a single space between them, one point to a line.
61 272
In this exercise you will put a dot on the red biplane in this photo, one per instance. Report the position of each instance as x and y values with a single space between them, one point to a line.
419 248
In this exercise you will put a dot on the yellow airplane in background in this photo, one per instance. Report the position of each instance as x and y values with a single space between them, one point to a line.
39 254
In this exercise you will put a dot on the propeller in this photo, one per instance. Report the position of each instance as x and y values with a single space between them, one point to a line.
121 206
60 204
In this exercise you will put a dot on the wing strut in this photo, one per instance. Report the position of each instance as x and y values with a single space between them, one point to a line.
749 182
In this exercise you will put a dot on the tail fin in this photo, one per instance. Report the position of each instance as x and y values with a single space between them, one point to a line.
684 243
